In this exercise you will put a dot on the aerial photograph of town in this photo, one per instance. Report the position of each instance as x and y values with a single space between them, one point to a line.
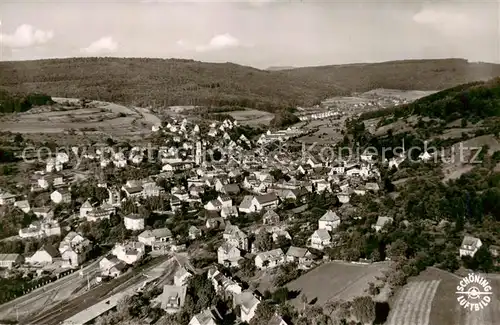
249 162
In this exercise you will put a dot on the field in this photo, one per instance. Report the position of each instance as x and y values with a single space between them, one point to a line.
68 116
401 94
336 280
430 299
252 117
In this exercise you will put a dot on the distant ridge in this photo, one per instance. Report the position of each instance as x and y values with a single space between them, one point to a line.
280 68
168 82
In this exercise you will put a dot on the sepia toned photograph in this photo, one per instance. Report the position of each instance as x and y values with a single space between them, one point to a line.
249 162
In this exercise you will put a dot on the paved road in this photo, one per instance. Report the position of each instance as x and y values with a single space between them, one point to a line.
43 296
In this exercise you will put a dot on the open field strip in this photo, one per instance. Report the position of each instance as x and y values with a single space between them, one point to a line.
413 307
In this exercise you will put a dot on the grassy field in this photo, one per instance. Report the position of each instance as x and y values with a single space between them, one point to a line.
70 117
252 117
430 299
336 280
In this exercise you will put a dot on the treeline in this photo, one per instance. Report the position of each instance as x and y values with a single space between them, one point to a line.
473 101
21 103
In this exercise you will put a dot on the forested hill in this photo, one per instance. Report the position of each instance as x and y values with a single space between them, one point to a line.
10 102
159 82
472 101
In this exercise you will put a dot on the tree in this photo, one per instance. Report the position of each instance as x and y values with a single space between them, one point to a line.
397 249
263 314
264 241
280 296
304 300
363 308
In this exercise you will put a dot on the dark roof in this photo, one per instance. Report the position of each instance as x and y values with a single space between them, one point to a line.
51 250
266 198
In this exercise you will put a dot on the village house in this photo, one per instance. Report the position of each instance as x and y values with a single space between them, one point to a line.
223 284
236 237
111 266
61 195
209 316
381 222
134 221
194 232
85 208
172 299
182 276
266 201
23 205
213 205
228 255
7 198
320 239
470 245
114 197
248 305
299 255
269 259
74 249
228 212
10 260
277 320
270 217
230 189
329 221
43 212
246 205
45 255
39 229
129 252
158 239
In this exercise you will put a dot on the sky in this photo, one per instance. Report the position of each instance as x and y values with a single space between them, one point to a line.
258 33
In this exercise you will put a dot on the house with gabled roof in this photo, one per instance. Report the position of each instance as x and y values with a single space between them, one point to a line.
470 245
228 255
381 222
266 201
236 237
248 303
246 205
194 232
329 221
320 239
182 276
209 316
270 217
269 259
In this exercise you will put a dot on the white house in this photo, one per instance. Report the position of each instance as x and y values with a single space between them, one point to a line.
248 305
209 316
23 205
61 195
45 255
320 239
7 198
246 205
266 201
470 245
329 221
381 222
155 238
111 266
74 249
269 259
181 277
134 222
172 299
10 260
129 252
270 217
228 255
85 209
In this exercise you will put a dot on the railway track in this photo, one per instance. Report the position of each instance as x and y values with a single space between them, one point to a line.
66 309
